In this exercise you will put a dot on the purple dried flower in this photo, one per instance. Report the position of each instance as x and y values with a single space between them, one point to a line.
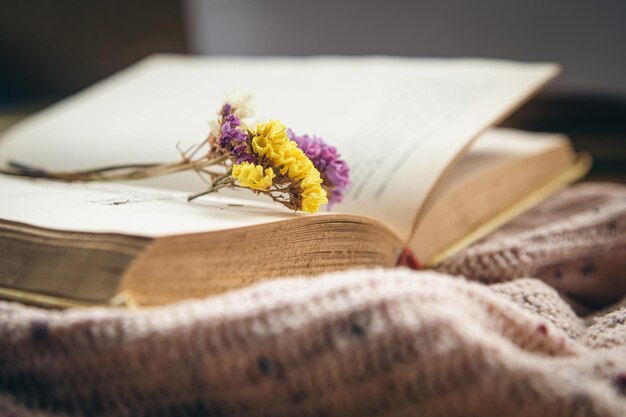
232 140
227 109
333 170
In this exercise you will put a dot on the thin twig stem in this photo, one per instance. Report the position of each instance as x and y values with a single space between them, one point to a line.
137 171
195 150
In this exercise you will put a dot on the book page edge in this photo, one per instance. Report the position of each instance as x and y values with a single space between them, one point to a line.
573 173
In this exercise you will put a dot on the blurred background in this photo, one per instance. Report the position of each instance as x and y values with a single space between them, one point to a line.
51 49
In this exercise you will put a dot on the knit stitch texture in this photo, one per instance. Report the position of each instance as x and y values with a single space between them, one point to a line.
574 241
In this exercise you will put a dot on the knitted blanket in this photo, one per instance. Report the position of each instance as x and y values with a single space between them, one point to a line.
357 343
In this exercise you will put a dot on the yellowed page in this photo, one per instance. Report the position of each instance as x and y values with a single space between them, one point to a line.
499 147
399 122
502 168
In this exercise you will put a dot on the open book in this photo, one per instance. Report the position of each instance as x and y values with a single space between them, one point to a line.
428 175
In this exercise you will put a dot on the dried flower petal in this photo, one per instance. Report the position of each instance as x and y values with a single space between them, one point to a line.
233 140
333 170
253 176
270 140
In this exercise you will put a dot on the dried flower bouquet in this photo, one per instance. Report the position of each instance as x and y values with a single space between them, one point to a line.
299 172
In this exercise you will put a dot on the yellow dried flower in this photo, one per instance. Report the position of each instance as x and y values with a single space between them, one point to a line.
313 195
270 141
252 176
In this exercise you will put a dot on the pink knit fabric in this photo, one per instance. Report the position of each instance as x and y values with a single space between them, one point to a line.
358 343
575 241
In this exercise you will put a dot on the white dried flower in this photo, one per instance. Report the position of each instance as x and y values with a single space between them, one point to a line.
242 103
215 128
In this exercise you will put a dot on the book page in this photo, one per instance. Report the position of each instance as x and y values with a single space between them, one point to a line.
498 147
129 210
503 169
399 122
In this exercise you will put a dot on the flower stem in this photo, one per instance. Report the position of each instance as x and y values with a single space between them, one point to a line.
115 172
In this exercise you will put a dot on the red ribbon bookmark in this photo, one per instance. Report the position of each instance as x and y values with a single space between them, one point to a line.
407 259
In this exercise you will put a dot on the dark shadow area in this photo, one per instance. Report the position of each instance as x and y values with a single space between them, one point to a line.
51 49
595 123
